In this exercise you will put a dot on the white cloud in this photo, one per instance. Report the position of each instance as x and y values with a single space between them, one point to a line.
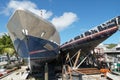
60 22
13 5
64 21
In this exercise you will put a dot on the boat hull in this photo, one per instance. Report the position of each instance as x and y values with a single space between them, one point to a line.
34 38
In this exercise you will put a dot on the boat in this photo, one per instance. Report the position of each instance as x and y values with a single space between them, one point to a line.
88 40
35 39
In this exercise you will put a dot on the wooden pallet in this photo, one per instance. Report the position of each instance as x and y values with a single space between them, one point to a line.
87 71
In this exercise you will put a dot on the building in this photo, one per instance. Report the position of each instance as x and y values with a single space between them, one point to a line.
111 57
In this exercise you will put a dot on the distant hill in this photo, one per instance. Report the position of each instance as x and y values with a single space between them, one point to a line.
107 46
112 45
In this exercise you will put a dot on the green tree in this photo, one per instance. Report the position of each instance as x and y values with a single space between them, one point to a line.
110 46
6 46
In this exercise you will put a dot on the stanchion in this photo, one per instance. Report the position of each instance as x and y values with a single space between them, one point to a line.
46 71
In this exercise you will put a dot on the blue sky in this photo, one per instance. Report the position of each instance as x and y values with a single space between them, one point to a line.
71 17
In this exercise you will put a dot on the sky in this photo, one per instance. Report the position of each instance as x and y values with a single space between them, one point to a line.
70 17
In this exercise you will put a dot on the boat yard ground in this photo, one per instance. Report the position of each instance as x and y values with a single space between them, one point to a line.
91 74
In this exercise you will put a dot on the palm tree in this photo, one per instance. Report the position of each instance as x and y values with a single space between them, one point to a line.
6 46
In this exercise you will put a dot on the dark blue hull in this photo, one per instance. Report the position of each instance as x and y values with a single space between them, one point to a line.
37 49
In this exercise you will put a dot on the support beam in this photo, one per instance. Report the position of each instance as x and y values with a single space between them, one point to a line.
76 61
72 57
46 72
70 72
68 58
83 61
64 73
